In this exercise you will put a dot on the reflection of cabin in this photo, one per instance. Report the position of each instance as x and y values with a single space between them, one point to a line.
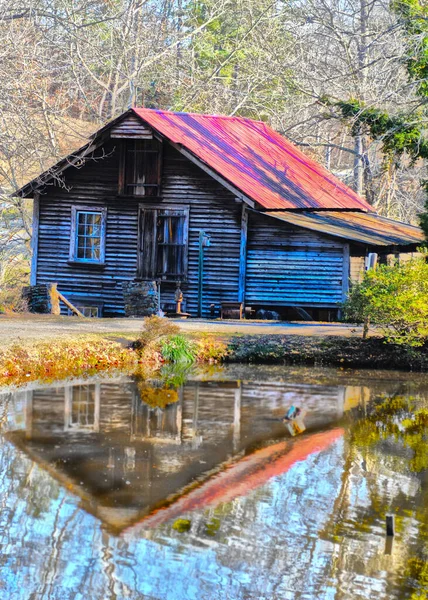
141 200
128 457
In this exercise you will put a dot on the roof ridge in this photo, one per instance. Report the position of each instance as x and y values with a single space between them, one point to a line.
196 114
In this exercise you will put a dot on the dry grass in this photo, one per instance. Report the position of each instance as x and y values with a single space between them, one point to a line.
50 361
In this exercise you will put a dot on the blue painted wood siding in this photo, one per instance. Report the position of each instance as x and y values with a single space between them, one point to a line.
288 266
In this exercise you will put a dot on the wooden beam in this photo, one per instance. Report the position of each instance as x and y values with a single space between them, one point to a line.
213 174
243 254
200 271
35 239
68 304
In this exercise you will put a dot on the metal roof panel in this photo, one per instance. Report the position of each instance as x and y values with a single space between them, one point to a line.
255 159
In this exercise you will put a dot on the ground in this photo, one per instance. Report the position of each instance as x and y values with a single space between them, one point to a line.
48 327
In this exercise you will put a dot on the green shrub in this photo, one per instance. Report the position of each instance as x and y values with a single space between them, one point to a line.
395 298
178 349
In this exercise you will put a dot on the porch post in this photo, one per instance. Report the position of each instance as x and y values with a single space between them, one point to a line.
345 272
243 254
35 239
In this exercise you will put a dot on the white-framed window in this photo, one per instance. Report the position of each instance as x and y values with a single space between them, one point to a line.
88 232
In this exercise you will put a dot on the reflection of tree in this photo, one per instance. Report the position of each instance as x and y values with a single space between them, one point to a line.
157 397
391 440
404 420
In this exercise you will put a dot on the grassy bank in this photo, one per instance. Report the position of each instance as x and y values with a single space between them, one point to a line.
22 362
373 353
77 357
56 360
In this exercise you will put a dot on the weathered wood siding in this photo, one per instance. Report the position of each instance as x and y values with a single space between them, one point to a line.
289 266
95 185
133 128
212 209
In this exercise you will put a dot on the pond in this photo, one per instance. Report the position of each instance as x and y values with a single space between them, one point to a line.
195 486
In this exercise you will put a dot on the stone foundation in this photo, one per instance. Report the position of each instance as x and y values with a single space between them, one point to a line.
140 298
42 299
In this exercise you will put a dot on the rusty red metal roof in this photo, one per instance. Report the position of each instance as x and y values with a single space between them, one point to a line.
257 160
366 228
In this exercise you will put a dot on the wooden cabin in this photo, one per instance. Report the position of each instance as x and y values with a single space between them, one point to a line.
224 207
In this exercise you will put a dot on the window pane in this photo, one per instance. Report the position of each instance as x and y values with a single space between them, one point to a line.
88 236
83 406
171 229
92 242
93 218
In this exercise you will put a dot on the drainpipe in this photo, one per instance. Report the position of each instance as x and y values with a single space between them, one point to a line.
204 242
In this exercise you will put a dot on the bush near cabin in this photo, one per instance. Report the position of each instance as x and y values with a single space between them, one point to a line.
394 298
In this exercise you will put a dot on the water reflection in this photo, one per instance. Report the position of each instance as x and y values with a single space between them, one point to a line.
129 489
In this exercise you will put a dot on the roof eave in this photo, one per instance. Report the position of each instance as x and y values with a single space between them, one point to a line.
363 239
94 141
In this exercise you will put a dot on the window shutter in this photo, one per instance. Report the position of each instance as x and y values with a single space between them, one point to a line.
148 234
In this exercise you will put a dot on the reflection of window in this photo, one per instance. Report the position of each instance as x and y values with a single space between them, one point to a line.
140 171
87 235
82 408
163 243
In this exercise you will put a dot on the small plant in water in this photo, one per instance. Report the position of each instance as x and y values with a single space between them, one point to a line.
178 349
182 525
174 375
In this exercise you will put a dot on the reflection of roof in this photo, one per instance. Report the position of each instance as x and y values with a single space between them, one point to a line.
229 480
360 227
256 159
242 477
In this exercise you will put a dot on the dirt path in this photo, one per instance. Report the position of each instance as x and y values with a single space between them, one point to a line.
47 327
